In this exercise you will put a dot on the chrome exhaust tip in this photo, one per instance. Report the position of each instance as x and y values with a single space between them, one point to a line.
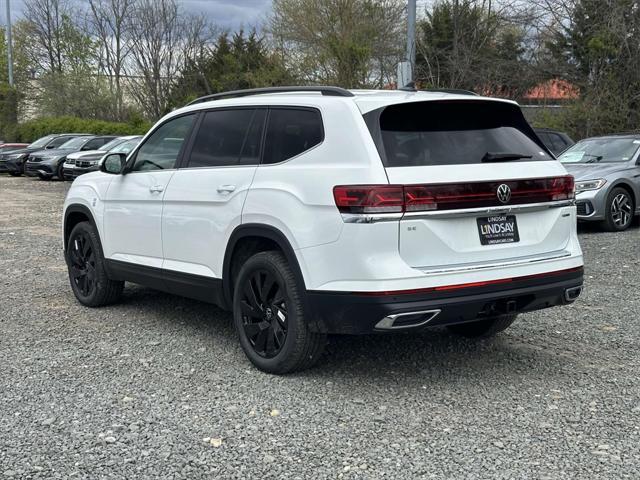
401 321
571 294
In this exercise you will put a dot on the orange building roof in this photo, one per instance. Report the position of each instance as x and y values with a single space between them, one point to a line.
555 89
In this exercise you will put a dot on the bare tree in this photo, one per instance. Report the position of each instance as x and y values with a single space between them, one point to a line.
164 39
354 43
109 20
46 18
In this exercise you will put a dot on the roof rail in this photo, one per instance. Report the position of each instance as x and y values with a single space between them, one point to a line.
410 87
458 91
328 91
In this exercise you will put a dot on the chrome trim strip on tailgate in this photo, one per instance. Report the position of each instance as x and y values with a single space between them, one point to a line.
474 212
484 266
467 212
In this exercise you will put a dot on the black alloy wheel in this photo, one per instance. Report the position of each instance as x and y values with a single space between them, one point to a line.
270 316
86 265
82 264
264 313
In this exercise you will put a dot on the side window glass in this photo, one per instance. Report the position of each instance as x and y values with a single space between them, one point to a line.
291 132
93 144
58 141
558 143
225 136
160 151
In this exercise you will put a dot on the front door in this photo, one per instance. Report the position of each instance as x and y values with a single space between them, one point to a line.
133 204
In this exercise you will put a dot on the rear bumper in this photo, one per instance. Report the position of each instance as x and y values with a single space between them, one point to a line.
360 313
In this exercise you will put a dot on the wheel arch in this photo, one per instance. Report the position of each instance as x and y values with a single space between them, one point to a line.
73 215
265 237
629 188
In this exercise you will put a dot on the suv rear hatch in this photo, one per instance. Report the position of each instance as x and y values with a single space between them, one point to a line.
480 189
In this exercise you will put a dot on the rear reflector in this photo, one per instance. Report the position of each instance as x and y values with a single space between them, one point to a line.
451 196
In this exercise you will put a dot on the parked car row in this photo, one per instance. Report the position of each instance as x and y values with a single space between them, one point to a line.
62 155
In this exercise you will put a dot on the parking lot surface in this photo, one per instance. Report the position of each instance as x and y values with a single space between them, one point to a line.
158 387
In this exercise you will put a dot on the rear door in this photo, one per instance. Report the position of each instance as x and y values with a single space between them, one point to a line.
479 187
204 200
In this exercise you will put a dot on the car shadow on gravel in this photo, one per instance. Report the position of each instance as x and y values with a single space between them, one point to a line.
432 354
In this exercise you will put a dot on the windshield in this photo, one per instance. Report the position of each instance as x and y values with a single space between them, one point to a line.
41 142
453 133
75 143
601 150
127 146
112 144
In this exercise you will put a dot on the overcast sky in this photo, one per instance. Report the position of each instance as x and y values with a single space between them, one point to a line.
229 14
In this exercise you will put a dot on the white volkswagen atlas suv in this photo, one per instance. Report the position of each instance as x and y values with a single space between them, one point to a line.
309 211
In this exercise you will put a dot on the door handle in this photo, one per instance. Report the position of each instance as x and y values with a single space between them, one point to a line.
156 189
226 188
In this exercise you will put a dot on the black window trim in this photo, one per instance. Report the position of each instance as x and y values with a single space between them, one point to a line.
131 159
184 160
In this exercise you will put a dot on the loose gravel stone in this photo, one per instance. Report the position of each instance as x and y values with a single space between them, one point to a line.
160 374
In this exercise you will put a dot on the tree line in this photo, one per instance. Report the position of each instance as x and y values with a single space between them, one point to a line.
128 60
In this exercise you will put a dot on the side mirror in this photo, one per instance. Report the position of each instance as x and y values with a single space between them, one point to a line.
113 163
48 147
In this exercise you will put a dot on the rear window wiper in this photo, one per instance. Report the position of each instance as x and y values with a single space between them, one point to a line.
503 156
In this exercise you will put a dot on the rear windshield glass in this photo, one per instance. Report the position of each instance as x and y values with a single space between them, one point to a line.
602 150
454 133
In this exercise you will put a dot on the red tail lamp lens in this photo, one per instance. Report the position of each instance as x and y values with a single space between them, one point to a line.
450 196
369 198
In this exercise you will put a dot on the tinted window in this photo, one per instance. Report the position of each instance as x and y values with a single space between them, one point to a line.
228 137
291 132
452 133
558 145
160 151
95 144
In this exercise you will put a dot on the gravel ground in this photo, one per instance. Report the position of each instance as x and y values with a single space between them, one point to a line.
158 387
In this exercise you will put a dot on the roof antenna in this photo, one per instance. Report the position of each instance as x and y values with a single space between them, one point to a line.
409 87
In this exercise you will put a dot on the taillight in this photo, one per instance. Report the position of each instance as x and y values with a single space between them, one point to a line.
450 196
369 198
562 188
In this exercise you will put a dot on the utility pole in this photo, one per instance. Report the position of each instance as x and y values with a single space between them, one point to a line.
406 68
9 43
411 35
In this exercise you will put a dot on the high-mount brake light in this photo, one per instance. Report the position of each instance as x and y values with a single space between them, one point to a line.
450 196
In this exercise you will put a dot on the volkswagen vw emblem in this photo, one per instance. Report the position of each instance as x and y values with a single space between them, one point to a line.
504 193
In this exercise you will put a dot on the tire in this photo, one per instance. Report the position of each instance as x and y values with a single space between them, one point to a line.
620 209
60 172
270 318
483 328
86 266
15 174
